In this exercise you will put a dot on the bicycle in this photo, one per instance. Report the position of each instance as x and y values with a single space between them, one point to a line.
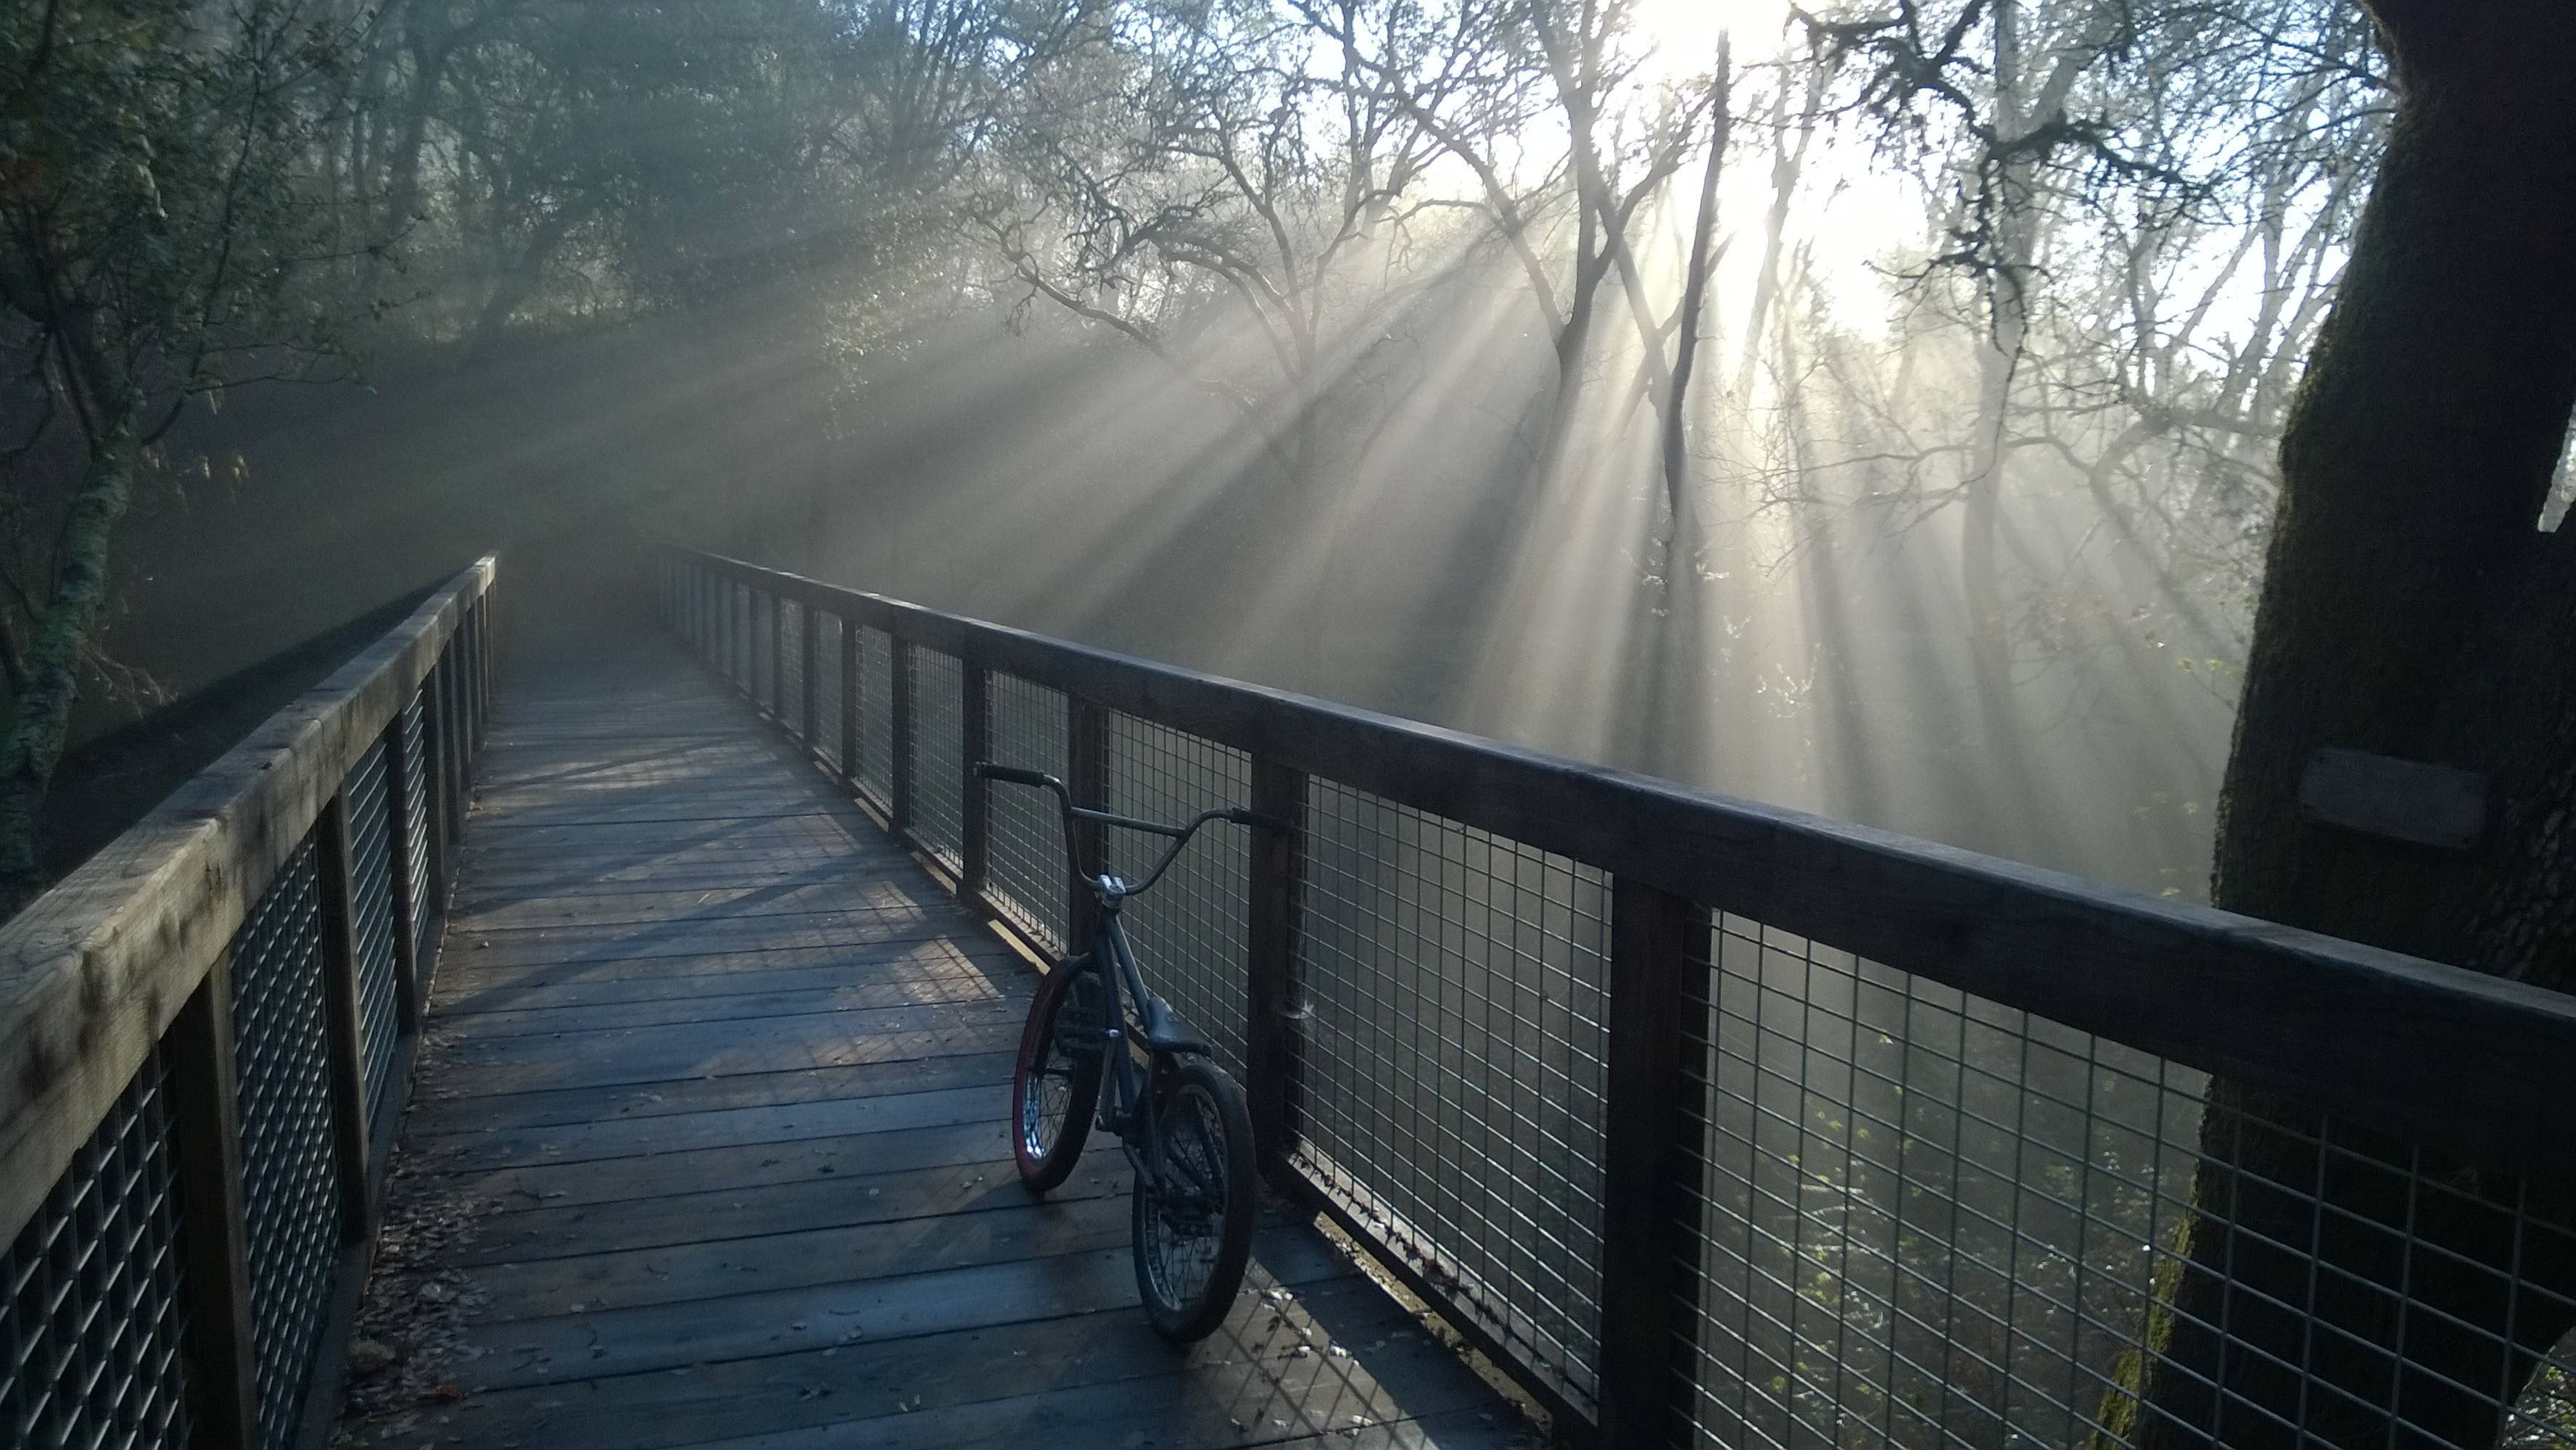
1180 1119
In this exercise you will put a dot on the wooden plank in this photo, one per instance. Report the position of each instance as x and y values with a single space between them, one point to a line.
575 1167
628 1225
95 969
855 1000
721 1267
221 1347
2413 801
665 1054
2392 1040
928 958
858 1384
840 1313
446 1111
1649 1202
1274 1039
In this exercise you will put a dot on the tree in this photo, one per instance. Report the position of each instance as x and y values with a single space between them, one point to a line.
155 209
2411 607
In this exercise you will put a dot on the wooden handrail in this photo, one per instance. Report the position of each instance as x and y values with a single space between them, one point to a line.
2402 1044
95 970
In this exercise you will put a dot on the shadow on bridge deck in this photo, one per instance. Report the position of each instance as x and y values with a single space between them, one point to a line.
715 1085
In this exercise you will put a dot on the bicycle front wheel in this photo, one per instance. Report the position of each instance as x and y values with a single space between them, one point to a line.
1056 1085
1193 1230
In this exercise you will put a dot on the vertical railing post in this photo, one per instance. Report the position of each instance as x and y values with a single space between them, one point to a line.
407 1003
452 753
1274 1042
849 700
206 1132
899 768
809 659
340 1012
1652 1116
778 655
1087 778
975 727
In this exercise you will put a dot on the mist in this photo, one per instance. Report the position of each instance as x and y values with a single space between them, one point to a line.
1331 348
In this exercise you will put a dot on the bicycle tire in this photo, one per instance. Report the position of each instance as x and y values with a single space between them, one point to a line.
1047 1137
1199 1106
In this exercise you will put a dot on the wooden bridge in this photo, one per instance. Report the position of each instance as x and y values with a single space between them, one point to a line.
611 1048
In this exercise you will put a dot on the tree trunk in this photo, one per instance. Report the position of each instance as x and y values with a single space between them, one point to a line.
33 725
2411 607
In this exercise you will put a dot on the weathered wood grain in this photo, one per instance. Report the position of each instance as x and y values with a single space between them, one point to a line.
746 1122
93 971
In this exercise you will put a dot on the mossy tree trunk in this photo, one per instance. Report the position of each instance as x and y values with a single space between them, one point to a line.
2412 607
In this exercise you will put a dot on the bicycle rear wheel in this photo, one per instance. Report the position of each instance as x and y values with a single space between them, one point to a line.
1056 1085
1193 1233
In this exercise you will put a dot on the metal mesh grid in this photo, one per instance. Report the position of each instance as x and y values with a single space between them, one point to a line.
371 931
791 679
290 1204
874 769
1026 873
1929 1219
938 762
1456 987
1189 932
91 1313
415 809
827 688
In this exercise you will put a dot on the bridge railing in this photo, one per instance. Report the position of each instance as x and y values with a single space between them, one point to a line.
1714 1123
205 1040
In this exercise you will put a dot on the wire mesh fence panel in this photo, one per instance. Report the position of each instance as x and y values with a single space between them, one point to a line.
1189 931
791 667
290 1205
827 687
1455 985
415 810
91 1313
1026 873
1929 1219
938 755
874 769
371 928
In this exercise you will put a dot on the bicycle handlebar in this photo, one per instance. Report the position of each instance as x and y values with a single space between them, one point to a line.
1179 836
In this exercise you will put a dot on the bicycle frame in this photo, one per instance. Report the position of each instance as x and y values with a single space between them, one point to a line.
1126 1108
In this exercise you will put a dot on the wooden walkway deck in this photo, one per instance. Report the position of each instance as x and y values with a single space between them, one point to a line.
708 1145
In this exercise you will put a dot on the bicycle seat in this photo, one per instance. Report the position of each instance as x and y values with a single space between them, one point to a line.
1167 1033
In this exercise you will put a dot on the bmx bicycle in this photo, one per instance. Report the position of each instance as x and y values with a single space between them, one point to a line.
1094 1025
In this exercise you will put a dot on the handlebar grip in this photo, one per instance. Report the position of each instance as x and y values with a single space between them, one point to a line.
1012 774
1242 817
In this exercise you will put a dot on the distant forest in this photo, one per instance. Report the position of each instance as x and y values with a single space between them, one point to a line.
1879 407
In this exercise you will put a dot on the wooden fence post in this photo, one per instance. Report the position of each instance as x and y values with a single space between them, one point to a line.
1274 1040
975 727
900 808
778 656
809 658
206 1131
1653 1115
850 701
336 886
1087 778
